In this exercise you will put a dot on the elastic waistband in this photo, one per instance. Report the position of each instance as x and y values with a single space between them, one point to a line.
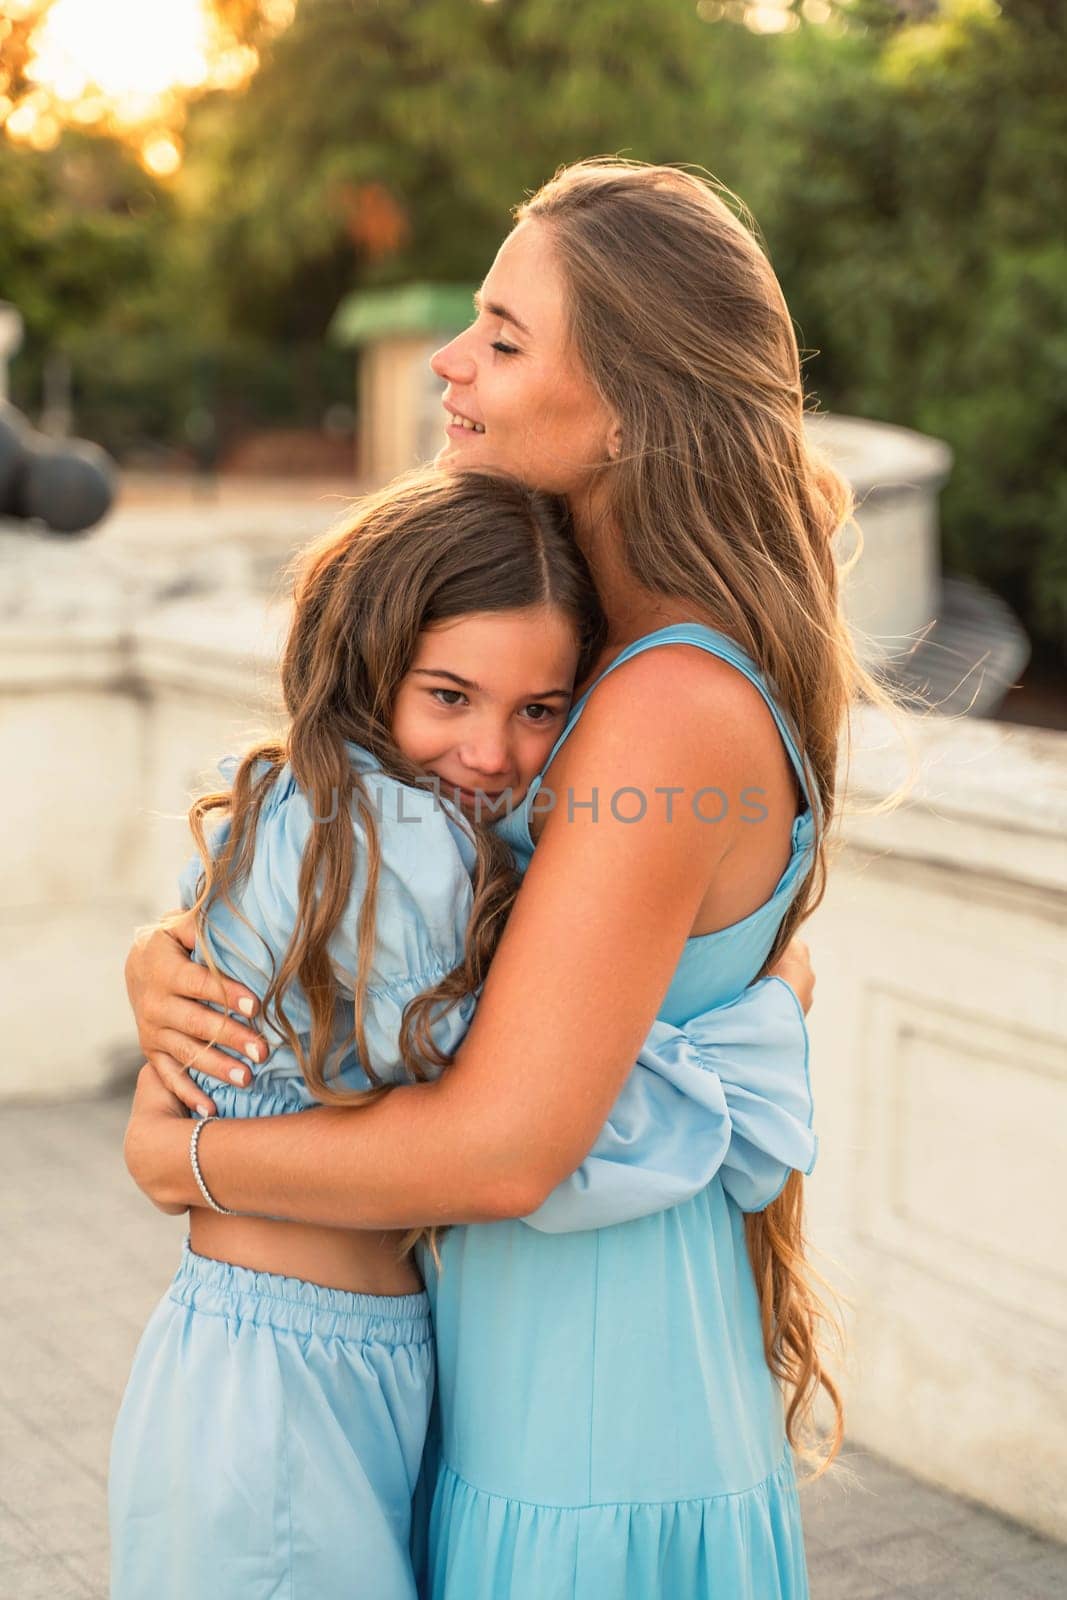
220 1289
271 1094
266 1097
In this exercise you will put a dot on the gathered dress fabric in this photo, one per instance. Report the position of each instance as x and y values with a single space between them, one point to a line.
607 1425
270 1438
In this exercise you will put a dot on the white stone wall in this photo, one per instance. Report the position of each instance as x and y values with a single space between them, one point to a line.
114 704
71 742
939 1050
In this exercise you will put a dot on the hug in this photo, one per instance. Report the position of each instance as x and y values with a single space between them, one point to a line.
492 1119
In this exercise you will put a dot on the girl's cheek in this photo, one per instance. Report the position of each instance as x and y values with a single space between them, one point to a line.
541 752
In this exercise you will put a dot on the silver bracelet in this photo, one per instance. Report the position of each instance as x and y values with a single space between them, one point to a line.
201 1124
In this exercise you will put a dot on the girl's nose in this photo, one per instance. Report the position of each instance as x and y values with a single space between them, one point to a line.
452 364
488 755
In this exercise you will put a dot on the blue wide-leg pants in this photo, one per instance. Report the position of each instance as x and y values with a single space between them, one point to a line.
269 1441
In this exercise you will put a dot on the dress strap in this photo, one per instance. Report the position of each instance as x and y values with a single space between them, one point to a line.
717 644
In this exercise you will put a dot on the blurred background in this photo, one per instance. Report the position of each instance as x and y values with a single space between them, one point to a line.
231 233
190 191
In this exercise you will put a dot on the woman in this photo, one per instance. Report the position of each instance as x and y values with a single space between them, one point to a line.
611 1401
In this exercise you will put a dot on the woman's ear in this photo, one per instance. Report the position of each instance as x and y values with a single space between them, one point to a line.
614 440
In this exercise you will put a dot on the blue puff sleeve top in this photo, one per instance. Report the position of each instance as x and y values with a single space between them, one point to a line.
728 1094
424 903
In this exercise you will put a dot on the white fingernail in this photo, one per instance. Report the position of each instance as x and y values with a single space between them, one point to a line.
254 1052
237 1077
246 1007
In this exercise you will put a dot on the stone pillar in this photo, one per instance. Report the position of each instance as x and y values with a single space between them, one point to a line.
394 379
893 593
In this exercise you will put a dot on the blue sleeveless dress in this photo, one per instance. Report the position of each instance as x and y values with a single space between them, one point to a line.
608 1425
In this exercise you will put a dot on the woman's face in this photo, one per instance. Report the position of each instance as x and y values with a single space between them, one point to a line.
514 375
484 701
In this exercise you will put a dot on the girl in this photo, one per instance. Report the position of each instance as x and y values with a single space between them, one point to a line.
354 881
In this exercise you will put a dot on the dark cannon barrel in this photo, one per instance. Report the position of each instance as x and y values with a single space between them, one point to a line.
13 431
68 484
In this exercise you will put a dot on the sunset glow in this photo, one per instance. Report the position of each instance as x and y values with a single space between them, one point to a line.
124 48
125 67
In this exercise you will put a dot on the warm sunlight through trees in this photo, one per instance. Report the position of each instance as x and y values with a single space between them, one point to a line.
124 68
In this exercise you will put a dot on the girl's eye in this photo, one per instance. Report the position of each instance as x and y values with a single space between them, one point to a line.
505 349
549 712
457 692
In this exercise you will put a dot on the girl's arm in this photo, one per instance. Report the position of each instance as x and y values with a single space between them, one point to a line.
581 970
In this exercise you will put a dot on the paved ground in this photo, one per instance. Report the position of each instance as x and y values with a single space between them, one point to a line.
84 1260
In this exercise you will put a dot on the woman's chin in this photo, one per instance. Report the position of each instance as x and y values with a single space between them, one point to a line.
469 451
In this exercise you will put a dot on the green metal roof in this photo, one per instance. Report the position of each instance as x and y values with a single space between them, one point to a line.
430 308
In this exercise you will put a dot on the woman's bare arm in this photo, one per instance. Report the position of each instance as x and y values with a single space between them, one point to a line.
580 973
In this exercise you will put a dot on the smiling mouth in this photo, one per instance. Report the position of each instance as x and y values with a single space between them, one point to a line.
478 794
470 795
459 424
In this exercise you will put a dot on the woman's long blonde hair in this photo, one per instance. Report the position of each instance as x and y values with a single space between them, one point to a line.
431 547
720 502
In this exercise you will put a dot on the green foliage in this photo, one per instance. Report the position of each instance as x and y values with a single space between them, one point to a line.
913 209
145 398
82 233
455 108
908 177
107 268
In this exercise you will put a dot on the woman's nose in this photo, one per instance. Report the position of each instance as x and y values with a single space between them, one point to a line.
452 364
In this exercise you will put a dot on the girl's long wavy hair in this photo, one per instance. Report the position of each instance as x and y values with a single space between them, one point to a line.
717 499
430 548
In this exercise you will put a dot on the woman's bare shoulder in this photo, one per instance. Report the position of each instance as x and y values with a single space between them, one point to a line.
681 741
685 705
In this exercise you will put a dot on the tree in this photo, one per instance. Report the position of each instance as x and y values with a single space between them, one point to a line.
82 231
452 111
911 197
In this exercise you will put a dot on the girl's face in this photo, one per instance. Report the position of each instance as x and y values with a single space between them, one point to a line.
484 701
514 374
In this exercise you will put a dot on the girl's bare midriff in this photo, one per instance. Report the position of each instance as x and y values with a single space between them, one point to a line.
334 1258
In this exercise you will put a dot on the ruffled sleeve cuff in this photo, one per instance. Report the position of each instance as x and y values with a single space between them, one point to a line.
729 1094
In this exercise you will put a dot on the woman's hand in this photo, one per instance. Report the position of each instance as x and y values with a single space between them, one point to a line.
794 968
171 996
157 1135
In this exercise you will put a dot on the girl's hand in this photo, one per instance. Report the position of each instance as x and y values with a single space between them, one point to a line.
157 1143
794 968
171 995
